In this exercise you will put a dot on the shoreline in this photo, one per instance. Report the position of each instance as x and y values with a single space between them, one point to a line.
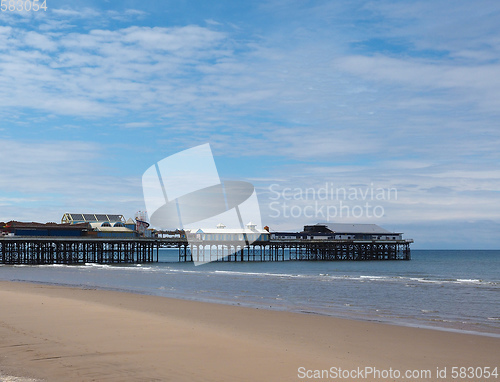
66 333
361 317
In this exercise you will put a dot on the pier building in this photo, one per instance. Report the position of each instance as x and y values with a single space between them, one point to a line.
15 228
222 234
339 231
104 225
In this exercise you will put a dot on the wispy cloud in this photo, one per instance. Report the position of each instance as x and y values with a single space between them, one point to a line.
104 71
76 13
56 176
352 92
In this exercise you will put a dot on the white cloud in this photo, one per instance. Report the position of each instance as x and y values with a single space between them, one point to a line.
84 12
127 15
104 71
133 125
437 26
421 74
42 180
424 196
423 119
39 41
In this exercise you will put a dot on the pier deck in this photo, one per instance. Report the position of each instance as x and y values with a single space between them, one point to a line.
81 250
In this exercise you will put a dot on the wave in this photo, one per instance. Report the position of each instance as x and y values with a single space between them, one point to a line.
264 274
410 280
333 278
472 281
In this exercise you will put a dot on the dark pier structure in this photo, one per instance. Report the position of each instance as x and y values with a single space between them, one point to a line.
321 242
298 250
76 250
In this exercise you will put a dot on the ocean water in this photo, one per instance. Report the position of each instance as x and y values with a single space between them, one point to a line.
450 290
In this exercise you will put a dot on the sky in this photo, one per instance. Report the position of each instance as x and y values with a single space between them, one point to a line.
383 112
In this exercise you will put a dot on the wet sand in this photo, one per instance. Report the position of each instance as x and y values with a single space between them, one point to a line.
58 333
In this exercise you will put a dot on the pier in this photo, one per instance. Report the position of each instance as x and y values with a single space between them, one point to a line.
76 250
81 250
296 250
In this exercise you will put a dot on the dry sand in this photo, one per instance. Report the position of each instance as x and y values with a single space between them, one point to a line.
66 334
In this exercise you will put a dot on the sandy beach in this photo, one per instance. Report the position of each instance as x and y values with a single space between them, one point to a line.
57 333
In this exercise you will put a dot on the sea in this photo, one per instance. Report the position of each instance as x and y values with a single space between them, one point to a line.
454 290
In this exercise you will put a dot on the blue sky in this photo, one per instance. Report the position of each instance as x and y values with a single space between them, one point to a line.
291 95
